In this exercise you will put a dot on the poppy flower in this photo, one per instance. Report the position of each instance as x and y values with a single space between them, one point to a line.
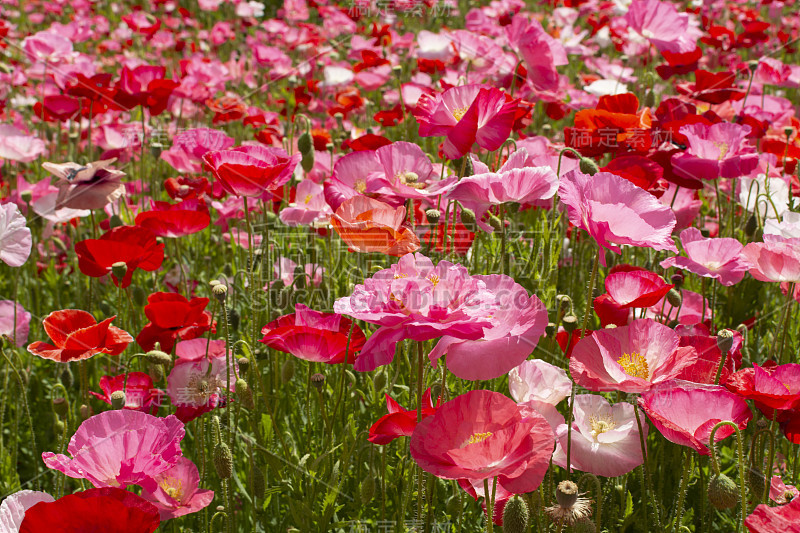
90 186
712 87
47 47
15 236
101 509
482 435
14 507
15 322
715 151
636 288
661 24
640 171
132 245
629 358
399 422
57 108
251 170
315 336
197 383
76 335
186 188
780 492
615 124
175 220
605 438
540 51
776 259
770 387
144 86
16 145
173 317
465 115
178 491
309 207
368 225
120 448
685 412
140 394
567 340
708 354
780 519
189 147
717 258
614 211
538 380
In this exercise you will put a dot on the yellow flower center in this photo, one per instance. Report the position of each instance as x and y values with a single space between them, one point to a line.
360 186
479 437
173 487
434 279
601 424
307 198
723 148
460 112
635 365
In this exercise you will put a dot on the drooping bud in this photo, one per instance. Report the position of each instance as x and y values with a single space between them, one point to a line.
307 162
61 407
85 411
515 516
757 482
117 399
139 296
305 143
367 489
379 381
495 222
588 166
287 370
724 340
674 298
245 394
157 357
223 461
257 482
467 215
722 492
751 226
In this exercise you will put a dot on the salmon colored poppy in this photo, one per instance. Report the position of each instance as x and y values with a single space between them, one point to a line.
76 335
369 225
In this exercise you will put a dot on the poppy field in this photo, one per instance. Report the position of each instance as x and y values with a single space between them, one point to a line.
383 266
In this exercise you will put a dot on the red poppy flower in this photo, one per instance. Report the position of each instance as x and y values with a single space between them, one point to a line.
399 422
145 86
369 225
567 341
251 170
640 171
185 188
459 239
712 87
679 63
104 509
369 59
227 109
770 387
389 117
614 125
173 317
140 394
175 220
57 108
708 354
96 93
370 141
314 336
76 335
132 245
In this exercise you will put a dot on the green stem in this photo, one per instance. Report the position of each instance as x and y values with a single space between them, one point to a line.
740 457
688 468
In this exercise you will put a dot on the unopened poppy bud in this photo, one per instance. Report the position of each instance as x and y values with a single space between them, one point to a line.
233 319
257 482
570 323
436 391
138 295
66 377
724 340
119 269
588 166
219 291
85 411
157 357
61 407
467 215
117 399
318 380
674 298
305 143
245 394
307 162
433 215
287 370
788 132
564 302
156 372
722 492
379 381
515 516
495 222
244 365
584 525
677 280
223 461
751 226
58 426
367 489
649 99
567 493
469 168
757 482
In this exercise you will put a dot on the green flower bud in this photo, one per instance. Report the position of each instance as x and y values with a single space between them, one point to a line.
223 461
515 516
722 492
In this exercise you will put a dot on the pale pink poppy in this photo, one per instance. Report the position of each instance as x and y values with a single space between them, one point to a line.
629 358
12 510
13 314
775 259
614 212
605 438
661 24
47 47
541 52
90 186
309 207
535 379
16 145
717 258
15 236
177 491
685 412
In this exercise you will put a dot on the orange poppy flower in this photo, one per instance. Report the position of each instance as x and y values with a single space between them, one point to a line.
369 225
616 123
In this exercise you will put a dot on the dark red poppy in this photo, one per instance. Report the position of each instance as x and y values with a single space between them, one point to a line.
754 32
314 336
175 220
369 59
389 117
132 245
678 63
140 394
399 422
144 86
105 509
370 141
712 87
610 312
185 187
567 341
76 335
173 317
459 239
719 37
251 170
57 108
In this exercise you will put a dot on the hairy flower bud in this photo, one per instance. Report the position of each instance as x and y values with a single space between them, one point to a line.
223 461
722 492
515 516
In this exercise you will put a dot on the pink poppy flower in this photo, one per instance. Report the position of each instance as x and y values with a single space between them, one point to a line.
309 207
15 145
481 435
636 288
686 412
399 422
781 519
614 211
15 237
770 387
661 24
12 510
120 448
541 52
415 300
781 493
140 394
47 47
15 322
629 358
710 258
535 379
518 321
314 336
251 170
177 491
605 438
716 151
196 384
465 115
90 186
518 181
775 259
189 147
285 271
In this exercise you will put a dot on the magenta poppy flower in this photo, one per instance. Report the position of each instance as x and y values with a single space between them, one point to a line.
47 46
197 383
15 322
108 509
605 438
14 506
175 220
413 299
540 51
518 181
120 448
399 422
518 323
661 24
251 170
177 491
614 211
710 258
636 288
775 259
629 358
482 435
466 115
716 151
140 393
686 412
15 236
189 147
314 336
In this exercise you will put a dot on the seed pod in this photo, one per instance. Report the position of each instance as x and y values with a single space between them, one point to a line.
722 492
287 370
567 493
725 340
515 516
433 215
119 269
570 323
244 365
318 380
220 292
223 461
